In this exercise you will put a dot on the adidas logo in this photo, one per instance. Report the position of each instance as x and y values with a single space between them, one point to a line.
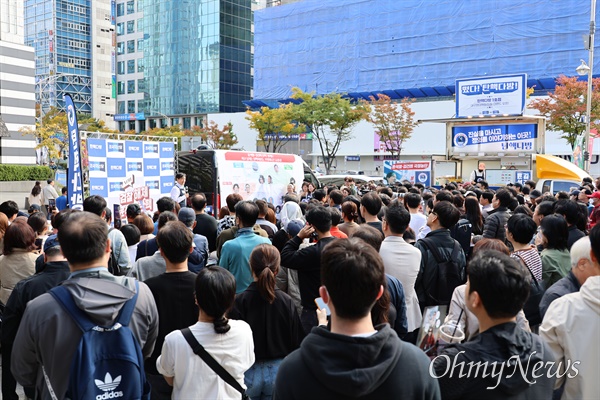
108 386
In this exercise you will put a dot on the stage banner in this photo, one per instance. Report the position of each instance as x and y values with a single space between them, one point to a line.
413 171
74 175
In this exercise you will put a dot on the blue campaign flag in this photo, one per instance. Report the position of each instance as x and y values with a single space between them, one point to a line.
74 177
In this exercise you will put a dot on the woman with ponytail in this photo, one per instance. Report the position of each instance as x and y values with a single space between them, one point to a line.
350 216
228 342
276 326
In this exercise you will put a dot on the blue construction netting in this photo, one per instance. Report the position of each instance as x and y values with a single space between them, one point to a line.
414 48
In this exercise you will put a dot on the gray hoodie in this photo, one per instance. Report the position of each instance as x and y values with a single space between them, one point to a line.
48 336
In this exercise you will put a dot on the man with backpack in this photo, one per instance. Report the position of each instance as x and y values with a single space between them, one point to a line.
443 261
114 318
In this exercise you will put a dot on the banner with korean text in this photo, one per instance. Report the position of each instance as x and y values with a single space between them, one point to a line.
516 138
74 173
491 96
406 170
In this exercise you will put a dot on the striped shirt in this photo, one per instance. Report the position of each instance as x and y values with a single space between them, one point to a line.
532 261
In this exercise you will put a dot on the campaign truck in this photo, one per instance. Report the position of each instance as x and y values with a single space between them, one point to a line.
253 175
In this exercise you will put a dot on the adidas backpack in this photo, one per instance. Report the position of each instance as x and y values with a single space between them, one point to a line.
108 362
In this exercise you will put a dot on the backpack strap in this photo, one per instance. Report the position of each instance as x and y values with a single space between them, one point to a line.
434 250
65 299
211 362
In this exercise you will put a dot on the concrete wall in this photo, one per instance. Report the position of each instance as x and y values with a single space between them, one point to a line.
17 191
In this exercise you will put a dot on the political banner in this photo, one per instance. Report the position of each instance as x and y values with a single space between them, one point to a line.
515 138
406 170
74 174
491 96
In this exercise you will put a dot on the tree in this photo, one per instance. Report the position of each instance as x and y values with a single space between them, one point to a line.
274 126
565 107
394 122
215 137
330 118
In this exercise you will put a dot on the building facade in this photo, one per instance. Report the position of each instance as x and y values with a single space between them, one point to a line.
178 61
74 54
17 98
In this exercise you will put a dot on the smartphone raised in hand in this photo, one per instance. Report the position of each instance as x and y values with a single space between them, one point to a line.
321 304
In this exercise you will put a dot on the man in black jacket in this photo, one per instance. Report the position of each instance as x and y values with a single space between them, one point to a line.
307 261
354 359
54 271
497 218
503 361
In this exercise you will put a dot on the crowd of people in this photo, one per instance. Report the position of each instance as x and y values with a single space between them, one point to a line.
324 297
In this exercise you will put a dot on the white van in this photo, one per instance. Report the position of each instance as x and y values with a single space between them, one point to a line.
254 175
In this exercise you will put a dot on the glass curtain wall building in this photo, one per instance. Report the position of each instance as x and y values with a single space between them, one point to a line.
197 59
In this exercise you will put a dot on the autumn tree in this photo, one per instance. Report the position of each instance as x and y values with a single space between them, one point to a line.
215 137
274 126
394 122
566 105
330 118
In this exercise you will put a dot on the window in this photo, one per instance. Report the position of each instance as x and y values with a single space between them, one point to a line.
120 68
121 107
141 85
130 87
139 25
120 87
120 9
121 48
130 66
130 46
140 44
120 28
131 106
140 63
130 26
130 7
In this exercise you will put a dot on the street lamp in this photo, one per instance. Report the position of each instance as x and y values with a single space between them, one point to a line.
587 69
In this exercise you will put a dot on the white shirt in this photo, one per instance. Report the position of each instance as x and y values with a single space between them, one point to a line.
176 191
402 261
417 221
234 350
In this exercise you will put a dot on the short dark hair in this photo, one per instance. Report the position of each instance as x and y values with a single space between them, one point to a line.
175 240
530 183
49 181
372 236
412 200
107 214
319 194
501 282
58 219
488 195
63 190
165 204
522 227
320 218
568 209
38 222
397 217
371 202
199 201
165 217
336 196
9 208
82 237
179 175
595 241
94 204
144 224
131 233
545 208
247 212
447 214
484 184
444 195
133 210
504 197
232 200
19 235
215 294
336 216
263 208
363 272
554 227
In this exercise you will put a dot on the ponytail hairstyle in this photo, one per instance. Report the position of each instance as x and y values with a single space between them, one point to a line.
264 261
37 188
215 294
350 210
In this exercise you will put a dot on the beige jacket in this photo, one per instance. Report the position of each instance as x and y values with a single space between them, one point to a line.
14 268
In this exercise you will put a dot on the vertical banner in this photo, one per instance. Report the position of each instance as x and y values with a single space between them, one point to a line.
74 177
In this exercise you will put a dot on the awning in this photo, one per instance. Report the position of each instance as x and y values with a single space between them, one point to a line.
551 167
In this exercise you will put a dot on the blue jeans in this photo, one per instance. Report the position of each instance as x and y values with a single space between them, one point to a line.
260 379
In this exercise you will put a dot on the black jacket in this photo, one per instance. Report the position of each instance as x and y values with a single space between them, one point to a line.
574 235
499 344
566 285
308 263
493 227
332 366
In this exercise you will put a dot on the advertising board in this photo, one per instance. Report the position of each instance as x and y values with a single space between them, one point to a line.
491 96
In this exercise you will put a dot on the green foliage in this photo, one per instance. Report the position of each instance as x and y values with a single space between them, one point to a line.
215 137
24 173
274 126
330 118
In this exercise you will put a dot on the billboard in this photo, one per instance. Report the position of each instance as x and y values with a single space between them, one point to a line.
516 138
493 95
412 171
127 171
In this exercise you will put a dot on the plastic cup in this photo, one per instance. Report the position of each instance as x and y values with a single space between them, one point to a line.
450 333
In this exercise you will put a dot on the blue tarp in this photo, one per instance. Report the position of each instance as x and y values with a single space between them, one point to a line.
414 47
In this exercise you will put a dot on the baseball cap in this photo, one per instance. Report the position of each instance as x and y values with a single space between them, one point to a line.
51 242
595 195
187 216
134 209
535 194
294 226
33 208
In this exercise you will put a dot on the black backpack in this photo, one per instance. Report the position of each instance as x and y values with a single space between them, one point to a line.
461 232
448 275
